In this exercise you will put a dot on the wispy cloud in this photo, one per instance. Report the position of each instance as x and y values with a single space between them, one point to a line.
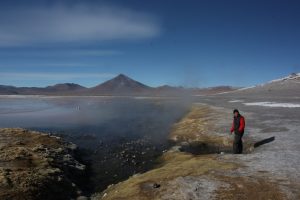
15 76
60 53
80 23
45 65
95 53
59 64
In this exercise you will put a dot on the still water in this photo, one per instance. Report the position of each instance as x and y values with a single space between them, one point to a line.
116 116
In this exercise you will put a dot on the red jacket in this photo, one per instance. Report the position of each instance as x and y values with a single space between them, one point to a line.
242 125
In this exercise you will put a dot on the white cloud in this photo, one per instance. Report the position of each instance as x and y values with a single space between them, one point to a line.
95 53
15 76
81 23
62 53
50 64
56 64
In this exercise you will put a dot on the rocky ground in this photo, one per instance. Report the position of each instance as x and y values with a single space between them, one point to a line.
267 170
119 159
34 165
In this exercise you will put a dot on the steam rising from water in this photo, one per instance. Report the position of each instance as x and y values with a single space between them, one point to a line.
95 116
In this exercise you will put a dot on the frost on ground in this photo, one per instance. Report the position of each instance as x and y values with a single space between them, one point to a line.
278 160
273 104
189 187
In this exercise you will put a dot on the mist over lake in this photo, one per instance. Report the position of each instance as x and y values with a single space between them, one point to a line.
116 116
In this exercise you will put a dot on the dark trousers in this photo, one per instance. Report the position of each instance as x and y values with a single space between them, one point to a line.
238 143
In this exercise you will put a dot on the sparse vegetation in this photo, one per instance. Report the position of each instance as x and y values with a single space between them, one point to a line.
34 165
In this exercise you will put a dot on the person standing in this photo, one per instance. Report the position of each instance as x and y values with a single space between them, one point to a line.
238 127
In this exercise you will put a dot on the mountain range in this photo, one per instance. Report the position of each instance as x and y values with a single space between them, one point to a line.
123 85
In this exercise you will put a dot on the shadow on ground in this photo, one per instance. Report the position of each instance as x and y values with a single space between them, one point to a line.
264 141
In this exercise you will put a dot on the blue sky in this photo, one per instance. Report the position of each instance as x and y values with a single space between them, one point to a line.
194 43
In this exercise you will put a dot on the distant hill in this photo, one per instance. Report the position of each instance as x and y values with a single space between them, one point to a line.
8 90
289 85
58 89
64 87
214 90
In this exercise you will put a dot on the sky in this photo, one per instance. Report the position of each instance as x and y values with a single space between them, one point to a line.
192 43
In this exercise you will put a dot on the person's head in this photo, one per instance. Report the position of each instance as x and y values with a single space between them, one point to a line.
236 112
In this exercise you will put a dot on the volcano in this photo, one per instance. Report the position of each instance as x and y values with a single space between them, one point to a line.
121 84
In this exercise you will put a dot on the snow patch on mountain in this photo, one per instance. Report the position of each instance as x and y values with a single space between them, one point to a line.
292 76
